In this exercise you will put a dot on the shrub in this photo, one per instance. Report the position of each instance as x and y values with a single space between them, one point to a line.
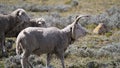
14 62
92 64
108 34
116 37
62 8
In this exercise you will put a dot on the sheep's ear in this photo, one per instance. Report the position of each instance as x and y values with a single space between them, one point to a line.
40 23
71 31
19 13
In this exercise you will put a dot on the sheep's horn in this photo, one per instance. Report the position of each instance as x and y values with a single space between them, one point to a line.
79 17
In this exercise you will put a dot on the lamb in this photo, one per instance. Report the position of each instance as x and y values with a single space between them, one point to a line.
51 40
38 22
8 22
35 22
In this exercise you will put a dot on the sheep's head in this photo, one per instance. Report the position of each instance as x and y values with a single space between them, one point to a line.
20 15
77 29
38 22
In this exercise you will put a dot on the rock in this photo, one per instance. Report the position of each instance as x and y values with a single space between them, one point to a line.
100 29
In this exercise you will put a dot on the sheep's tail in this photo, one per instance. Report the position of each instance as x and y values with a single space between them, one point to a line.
18 47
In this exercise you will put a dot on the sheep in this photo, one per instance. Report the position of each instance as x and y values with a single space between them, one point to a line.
35 22
8 22
38 22
50 40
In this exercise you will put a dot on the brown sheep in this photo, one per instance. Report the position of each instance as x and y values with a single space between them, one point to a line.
8 22
36 22
51 40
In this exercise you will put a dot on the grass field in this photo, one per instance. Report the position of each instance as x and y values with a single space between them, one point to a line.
94 42
84 7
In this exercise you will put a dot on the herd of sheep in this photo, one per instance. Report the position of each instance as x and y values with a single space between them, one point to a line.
36 38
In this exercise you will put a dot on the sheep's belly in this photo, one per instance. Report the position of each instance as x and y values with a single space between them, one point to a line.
39 51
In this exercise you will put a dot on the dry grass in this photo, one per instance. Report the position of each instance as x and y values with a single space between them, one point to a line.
84 7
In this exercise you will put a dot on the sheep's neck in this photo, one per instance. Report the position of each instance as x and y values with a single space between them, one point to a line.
68 34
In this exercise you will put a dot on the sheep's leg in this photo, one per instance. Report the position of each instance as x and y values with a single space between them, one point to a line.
4 52
62 61
48 60
60 55
24 59
2 44
29 64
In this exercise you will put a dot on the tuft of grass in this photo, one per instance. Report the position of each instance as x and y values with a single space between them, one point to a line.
108 34
91 26
1 64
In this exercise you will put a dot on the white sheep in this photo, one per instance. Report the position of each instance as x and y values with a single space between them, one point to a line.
9 22
51 40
